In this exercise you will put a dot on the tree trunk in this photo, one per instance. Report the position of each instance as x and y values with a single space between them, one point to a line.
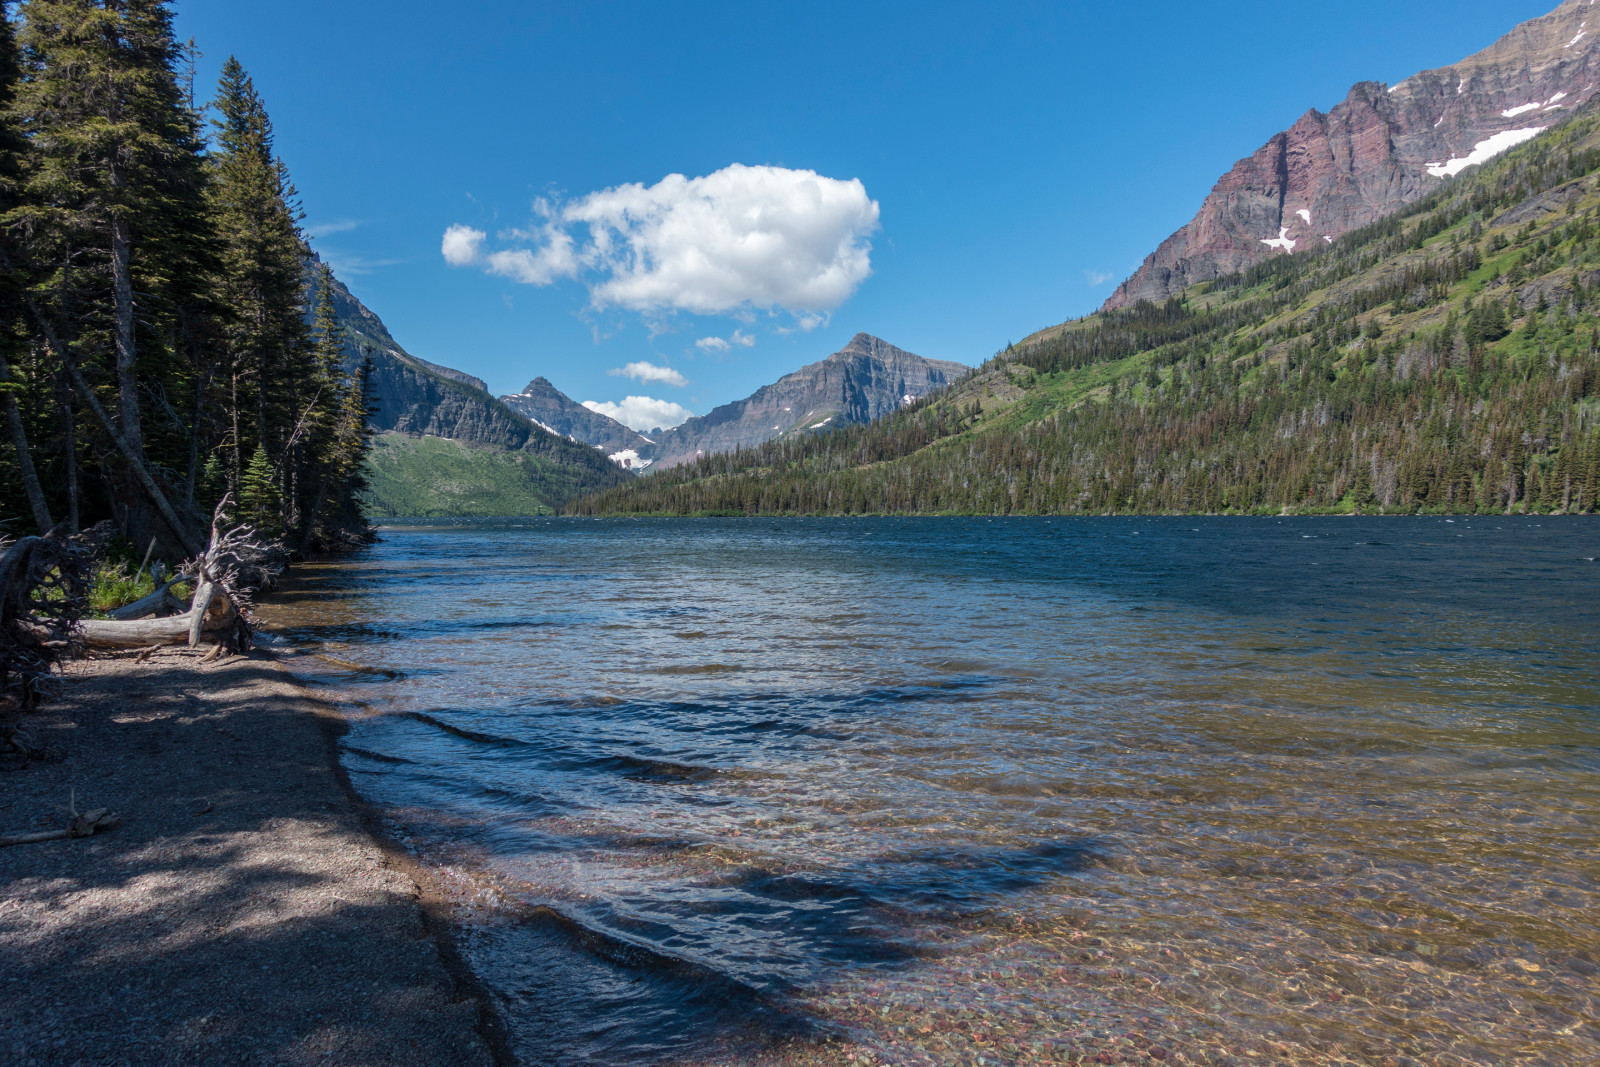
311 516
69 438
122 296
181 530
19 439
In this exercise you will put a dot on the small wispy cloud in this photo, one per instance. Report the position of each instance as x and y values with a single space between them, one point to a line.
740 339
355 266
649 372
805 324
330 227
1097 278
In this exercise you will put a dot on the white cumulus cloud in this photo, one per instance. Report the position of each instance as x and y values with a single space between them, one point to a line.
463 246
649 372
743 237
643 413
554 259
1097 278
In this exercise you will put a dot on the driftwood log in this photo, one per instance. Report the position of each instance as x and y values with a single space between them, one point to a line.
176 630
153 604
220 606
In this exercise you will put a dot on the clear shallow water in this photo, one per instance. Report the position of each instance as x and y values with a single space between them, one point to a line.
1001 792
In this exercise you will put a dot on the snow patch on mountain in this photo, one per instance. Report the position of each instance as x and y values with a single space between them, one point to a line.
1282 241
628 459
1485 150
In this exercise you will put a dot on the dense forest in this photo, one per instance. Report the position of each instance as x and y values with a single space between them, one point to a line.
1443 360
164 340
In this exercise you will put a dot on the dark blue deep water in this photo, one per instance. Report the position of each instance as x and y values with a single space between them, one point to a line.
992 791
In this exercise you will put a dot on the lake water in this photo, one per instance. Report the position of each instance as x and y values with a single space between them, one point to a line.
963 791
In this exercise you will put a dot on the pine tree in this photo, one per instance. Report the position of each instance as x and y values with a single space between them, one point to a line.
114 201
15 391
259 500
263 273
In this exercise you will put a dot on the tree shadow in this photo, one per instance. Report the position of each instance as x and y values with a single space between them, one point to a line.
239 914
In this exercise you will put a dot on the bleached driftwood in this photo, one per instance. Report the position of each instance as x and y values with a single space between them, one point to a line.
220 606
176 630
146 606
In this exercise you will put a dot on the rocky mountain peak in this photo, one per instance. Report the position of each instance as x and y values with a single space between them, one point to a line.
1379 149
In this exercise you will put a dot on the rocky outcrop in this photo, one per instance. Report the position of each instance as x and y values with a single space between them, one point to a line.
414 396
560 414
1382 148
864 381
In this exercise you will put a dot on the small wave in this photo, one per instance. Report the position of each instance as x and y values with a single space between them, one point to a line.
642 769
706 668
466 735
378 757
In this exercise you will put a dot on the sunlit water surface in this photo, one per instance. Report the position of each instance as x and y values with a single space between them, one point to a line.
993 792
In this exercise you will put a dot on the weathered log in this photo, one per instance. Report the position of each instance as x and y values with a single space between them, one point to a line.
204 593
149 605
145 633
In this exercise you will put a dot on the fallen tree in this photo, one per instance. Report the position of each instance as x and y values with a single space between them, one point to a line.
234 563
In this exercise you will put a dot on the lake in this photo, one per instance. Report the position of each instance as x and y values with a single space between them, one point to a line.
934 791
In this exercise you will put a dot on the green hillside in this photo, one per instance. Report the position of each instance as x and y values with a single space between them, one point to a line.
1446 359
430 477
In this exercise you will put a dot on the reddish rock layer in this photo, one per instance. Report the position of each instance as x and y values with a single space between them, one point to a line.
1371 154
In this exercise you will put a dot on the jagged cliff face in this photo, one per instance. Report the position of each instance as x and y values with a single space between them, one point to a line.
413 396
864 381
560 414
417 397
1382 148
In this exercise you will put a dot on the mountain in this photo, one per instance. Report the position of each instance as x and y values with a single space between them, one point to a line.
518 464
863 381
1379 150
560 414
1444 359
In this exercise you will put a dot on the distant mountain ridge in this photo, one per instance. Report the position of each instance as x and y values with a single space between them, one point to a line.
1381 149
560 414
415 398
862 382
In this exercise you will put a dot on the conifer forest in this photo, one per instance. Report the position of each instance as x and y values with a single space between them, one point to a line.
1443 360
165 339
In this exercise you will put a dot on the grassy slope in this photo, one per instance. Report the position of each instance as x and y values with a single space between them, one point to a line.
1287 303
431 477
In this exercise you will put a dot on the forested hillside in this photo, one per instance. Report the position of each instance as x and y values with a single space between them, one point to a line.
1445 359
160 346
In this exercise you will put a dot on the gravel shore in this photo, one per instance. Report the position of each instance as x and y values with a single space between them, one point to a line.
241 914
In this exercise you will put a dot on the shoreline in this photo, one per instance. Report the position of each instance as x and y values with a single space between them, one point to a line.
249 908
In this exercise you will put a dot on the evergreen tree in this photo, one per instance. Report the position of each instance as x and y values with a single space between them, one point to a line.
113 202
259 500
263 274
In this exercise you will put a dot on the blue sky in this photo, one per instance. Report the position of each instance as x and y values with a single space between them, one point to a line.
1006 163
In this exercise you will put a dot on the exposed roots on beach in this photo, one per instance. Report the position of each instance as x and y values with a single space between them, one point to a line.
235 561
43 589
